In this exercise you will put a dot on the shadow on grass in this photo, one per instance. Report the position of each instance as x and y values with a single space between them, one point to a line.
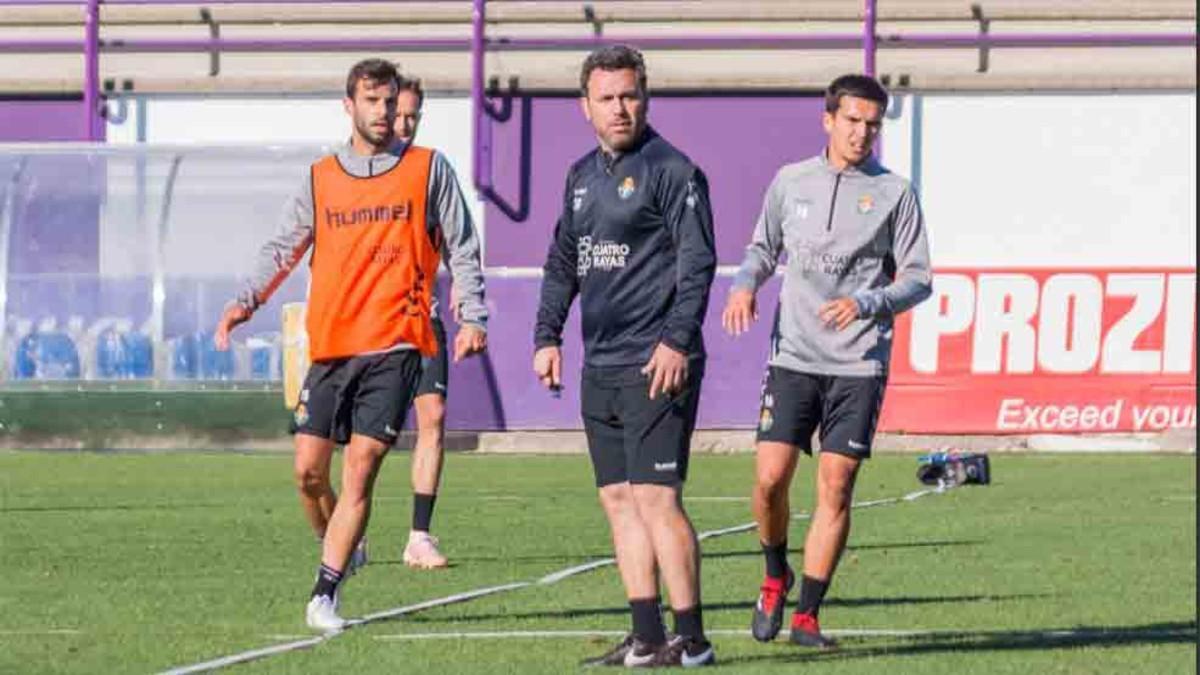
960 642
719 606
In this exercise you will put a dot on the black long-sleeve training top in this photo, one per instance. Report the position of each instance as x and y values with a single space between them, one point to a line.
635 241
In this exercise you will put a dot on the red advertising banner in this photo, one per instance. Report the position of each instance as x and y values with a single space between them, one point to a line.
1047 351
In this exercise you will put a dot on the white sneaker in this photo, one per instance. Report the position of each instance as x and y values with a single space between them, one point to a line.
422 551
358 558
321 614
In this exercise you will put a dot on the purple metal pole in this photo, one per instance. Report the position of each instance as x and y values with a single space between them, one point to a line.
480 151
91 70
869 38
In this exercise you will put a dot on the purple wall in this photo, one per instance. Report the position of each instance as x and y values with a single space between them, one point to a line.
42 120
739 142
53 247
499 391
55 214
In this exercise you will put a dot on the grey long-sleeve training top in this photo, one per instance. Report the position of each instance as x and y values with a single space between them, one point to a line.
856 233
446 210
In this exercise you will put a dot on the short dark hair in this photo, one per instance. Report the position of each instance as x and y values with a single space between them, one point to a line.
374 70
412 84
858 86
613 57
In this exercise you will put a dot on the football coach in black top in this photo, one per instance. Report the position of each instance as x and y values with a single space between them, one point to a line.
635 242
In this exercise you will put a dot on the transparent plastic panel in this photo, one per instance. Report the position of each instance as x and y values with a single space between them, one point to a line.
117 262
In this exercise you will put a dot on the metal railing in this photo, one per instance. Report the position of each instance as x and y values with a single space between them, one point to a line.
152 196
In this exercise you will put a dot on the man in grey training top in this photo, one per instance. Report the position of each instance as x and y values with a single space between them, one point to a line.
429 400
857 257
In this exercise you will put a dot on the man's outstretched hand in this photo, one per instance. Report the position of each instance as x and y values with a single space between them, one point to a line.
233 316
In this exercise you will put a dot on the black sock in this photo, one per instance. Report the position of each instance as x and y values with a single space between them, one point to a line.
776 555
647 621
327 581
812 592
422 511
690 623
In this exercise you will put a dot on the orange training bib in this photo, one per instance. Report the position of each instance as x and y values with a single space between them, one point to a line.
373 262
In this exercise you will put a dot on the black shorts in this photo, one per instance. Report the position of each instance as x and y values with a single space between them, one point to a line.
631 438
435 370
846 409
367 395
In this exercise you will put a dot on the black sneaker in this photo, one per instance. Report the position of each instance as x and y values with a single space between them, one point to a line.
806 632
685 651
768 610
614 656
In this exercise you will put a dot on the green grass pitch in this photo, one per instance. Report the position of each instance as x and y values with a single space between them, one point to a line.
137 563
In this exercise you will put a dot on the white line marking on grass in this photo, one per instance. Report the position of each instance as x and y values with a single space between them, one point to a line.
438 602
578 569
716 499
744 527
465 596
48 631
251 655
308 643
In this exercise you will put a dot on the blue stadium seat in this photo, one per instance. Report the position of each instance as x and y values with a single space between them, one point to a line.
184 360
266 356
46 356
260 363
197 358
214 364
141 355
124 355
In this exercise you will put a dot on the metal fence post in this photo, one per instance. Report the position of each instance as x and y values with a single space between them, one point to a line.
869 37
91 70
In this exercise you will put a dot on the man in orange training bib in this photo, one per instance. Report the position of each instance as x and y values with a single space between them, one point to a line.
371 213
